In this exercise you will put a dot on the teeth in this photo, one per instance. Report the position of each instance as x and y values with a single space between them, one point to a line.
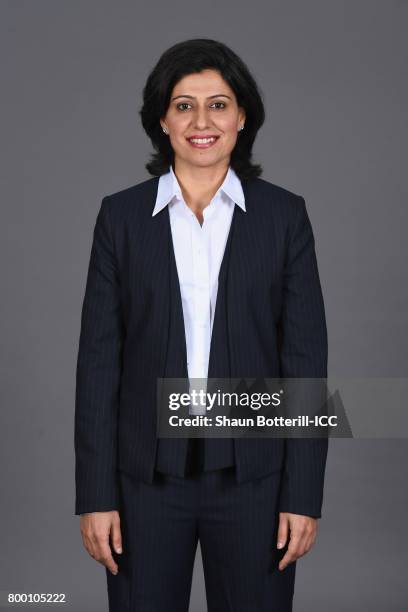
202 140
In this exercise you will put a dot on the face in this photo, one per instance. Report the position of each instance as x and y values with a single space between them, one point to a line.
203 105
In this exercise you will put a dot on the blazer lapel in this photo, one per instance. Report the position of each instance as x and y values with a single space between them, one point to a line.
176 316
156 243
236 256
166 284
240 266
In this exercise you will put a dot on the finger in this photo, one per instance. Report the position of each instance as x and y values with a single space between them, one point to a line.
310 541
90 543
86 540
90 546
282 531
300 548
116 536
286 559
308 537
105 557
303 543
103 551
292 552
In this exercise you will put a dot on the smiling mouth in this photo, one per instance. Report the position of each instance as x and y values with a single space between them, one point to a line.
204 142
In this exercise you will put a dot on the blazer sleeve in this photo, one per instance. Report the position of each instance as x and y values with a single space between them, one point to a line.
303 354
98 375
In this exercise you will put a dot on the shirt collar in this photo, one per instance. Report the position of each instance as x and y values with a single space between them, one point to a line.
169 187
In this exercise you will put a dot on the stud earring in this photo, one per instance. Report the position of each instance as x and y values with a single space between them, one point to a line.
241 128
165 130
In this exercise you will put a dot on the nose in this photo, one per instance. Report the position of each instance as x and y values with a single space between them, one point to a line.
201 120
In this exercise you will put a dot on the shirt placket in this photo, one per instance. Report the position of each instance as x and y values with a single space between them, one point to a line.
201 308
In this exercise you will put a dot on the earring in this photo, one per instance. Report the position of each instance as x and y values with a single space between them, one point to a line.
241 128
165 130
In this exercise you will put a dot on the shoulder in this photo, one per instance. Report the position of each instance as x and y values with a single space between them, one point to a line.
134 191
271 189
269 198
135 199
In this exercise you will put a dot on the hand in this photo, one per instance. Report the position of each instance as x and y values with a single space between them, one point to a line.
95 529
303 531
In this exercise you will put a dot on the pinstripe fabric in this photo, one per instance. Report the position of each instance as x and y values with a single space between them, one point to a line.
219 452
174 455
236 525
275 327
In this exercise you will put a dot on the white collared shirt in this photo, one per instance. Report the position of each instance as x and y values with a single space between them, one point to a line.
198 252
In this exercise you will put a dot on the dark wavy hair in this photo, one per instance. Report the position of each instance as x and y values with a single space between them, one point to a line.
191 56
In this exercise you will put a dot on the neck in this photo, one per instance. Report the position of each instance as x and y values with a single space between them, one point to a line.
199 184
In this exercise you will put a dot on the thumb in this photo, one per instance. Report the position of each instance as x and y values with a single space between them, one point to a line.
116 536
282 531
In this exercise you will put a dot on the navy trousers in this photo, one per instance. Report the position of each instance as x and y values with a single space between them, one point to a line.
236 525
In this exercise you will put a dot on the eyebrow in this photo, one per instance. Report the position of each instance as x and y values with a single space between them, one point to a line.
192 97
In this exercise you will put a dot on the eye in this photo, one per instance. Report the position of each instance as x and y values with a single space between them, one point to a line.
182 104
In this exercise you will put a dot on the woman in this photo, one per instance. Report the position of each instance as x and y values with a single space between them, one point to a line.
203 270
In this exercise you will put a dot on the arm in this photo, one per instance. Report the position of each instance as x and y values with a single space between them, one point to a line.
303 354
98 376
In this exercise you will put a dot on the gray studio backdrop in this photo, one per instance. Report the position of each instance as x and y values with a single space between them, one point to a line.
333 76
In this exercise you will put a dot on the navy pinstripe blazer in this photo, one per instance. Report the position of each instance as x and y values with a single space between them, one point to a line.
276 328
